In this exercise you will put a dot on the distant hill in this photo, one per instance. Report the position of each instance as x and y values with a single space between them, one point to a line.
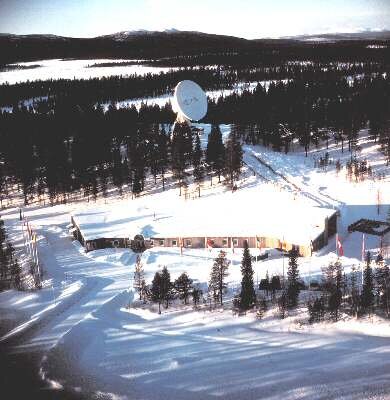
156 44
363 35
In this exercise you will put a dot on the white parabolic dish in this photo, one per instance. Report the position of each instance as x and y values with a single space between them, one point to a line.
189 101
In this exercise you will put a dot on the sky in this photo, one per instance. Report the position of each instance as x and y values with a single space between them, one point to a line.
245 18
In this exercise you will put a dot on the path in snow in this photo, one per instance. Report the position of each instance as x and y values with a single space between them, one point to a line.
317 197
102 282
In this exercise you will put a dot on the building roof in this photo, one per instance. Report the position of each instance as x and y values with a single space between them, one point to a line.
240 214
370 226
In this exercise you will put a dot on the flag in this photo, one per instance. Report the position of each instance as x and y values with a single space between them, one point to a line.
363 248
209 244
339 247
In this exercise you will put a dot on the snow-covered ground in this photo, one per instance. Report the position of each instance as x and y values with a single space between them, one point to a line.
74 69
88 339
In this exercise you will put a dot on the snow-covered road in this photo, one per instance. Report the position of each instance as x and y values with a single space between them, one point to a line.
99 283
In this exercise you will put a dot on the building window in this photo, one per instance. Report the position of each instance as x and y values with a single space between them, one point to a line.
161 242
224 242
174 242
188 242
115 243
91 245
235 242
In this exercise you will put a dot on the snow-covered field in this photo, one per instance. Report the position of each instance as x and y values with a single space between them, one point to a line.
74 69
89 340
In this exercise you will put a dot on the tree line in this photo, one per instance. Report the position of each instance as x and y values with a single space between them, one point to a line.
338 293
134 86
84 149
57 170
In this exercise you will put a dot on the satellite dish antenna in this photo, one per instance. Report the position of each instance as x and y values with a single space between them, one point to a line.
189 102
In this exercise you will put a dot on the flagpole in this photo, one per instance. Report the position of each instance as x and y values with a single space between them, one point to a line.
283 259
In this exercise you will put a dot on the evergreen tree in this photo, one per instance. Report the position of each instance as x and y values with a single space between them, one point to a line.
247 294
157 290
233 160
335 291
162 160
196 295
136 183
316 309
198 163
218 274
283 304
181 149
166 286
117 169
139 277
355 296
292 280
183 286
367 296
215 152
275 285
382 277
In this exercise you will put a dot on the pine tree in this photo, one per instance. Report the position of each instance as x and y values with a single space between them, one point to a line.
183 286
117 169
196 295
316 309
163 161
157 291
382 278
181 149
137 183
355 296
166 286
292 280
215 152
218 274
283 304
275 285
198 163
233 160
367 296
247 294
139 277
265 284
335 291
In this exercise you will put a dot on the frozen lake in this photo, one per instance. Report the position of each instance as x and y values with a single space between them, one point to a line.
74 69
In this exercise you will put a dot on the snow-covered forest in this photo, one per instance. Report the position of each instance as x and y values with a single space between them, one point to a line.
282 140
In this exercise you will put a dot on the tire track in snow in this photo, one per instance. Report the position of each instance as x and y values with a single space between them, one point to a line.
292 185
